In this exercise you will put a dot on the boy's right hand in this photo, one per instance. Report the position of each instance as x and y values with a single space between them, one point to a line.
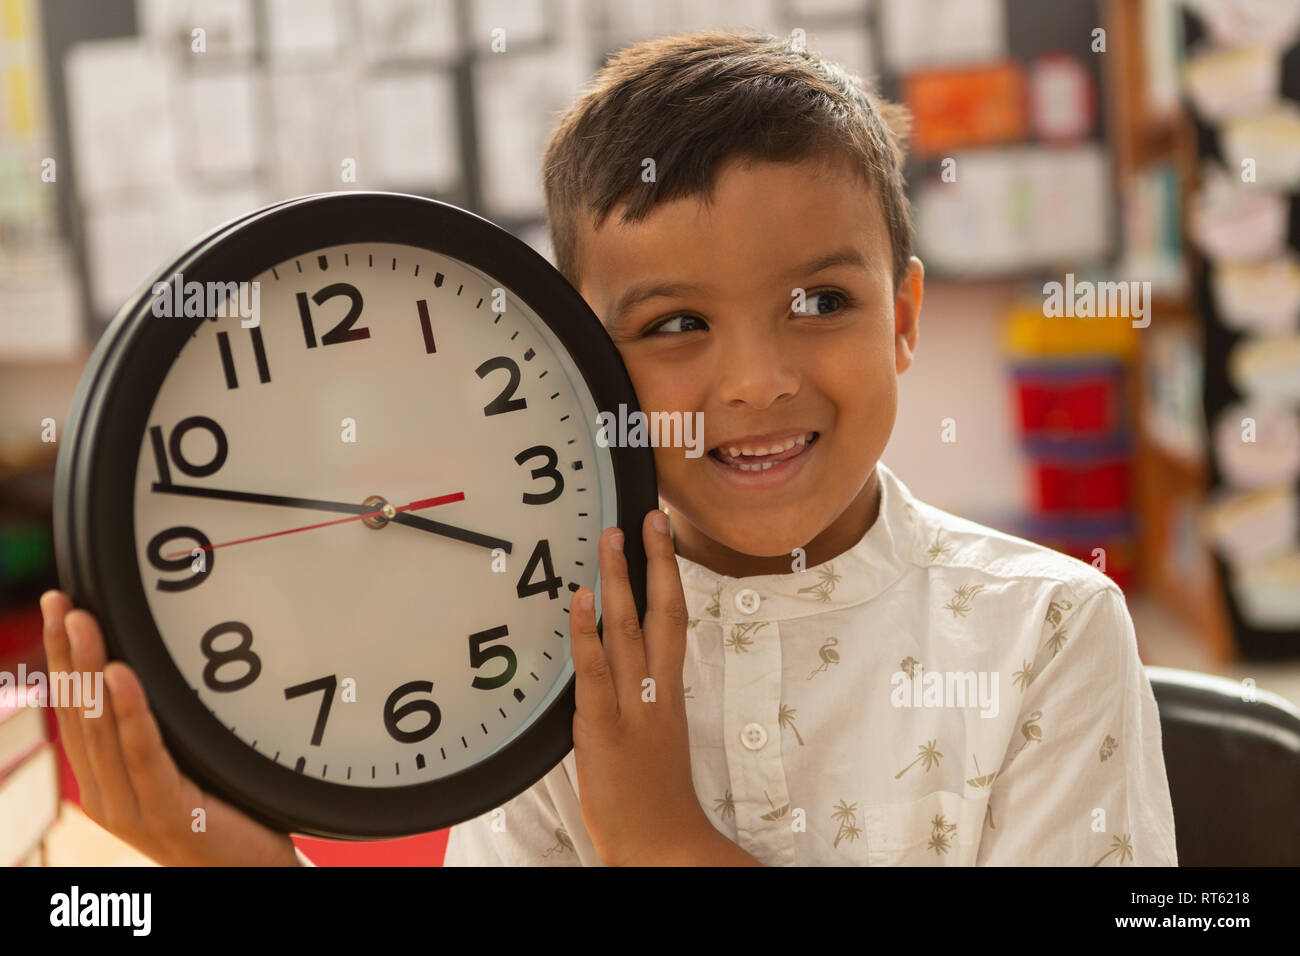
129 783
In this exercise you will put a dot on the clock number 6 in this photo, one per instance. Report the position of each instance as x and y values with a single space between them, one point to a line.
393 713
546 471
478 656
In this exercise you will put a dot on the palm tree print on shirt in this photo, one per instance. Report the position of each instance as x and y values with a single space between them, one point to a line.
937 550
826 586
714 608
961 598
1024 676
940 831
845 814
1121 844
908 666
828 654
785 715
928 755
1054 618
740 640
725 806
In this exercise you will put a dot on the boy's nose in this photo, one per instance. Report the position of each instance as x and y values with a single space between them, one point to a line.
754 369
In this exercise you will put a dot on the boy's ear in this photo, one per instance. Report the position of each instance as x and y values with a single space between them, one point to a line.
907 313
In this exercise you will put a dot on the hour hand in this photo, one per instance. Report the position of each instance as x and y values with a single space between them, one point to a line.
450 531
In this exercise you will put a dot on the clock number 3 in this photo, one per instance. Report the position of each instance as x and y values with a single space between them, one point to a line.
343 332
547 470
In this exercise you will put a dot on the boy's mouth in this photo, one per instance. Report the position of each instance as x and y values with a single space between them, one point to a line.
762 456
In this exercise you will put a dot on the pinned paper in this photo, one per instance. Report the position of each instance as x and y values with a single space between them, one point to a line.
976 106
1254 526
398 30
1257 444
1230 219
1275 23
928 33
1265 146
118 110
1268 593
1234 81
1267 368
1258 296
219 134
411 131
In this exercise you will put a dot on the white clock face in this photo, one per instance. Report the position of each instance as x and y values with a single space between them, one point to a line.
372 652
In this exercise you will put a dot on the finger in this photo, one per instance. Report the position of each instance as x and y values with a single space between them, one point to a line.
55 606
595 696
152 773
624 641
666 614
118 800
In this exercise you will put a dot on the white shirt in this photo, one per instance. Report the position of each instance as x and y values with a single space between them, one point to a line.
811 745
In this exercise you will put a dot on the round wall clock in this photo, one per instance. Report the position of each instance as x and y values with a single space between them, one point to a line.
334 520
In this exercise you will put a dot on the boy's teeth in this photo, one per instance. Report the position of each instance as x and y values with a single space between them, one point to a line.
735 451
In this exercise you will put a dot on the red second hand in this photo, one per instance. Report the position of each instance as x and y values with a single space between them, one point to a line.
413 506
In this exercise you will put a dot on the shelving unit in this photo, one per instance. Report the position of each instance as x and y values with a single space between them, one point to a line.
1169 487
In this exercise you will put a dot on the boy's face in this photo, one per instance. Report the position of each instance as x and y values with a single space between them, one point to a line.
700 301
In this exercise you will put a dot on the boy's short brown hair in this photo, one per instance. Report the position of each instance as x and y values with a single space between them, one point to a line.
694 101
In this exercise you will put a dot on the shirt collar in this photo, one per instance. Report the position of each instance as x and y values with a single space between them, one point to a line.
853 577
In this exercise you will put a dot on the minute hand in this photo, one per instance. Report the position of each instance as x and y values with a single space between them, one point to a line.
315 504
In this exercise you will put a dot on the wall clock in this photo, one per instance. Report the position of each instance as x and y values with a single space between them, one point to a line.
339 545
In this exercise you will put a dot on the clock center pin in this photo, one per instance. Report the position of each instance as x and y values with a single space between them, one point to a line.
387 512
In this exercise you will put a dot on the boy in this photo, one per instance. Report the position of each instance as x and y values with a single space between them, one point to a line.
843 675
819 592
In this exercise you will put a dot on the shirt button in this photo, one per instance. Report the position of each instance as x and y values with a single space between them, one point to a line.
753 736
747 600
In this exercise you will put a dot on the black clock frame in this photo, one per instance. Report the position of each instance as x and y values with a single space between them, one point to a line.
95 477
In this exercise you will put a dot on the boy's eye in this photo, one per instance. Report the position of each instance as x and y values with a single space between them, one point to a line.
678 323
822 302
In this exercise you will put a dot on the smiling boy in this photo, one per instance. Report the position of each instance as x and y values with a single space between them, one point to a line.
815 634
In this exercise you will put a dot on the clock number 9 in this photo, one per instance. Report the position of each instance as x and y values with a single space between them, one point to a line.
478 657
184 562
546 471
393 713
241 653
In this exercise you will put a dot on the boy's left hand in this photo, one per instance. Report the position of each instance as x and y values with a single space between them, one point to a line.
630 745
